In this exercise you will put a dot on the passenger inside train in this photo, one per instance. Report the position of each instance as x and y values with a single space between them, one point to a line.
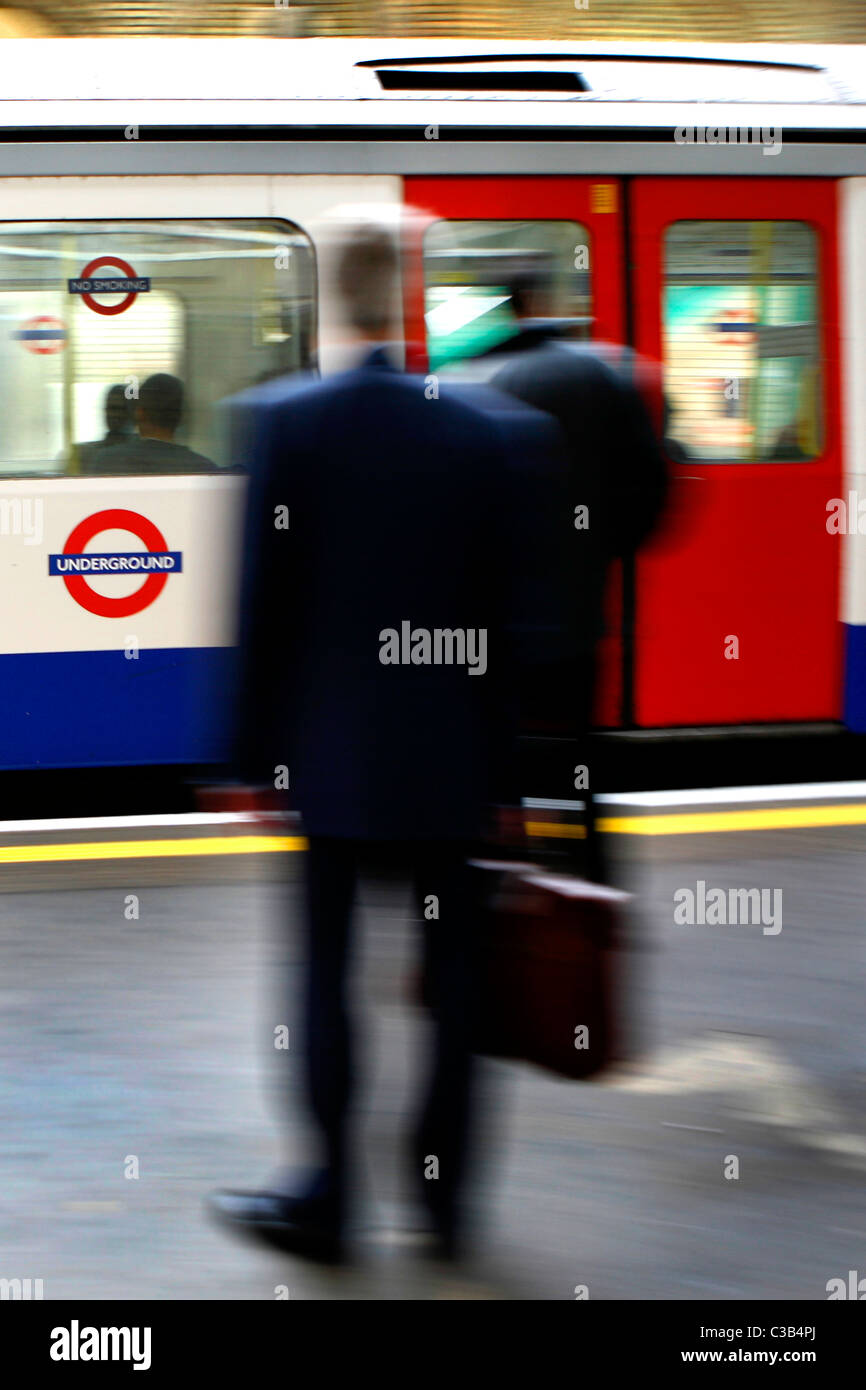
119 429
158 415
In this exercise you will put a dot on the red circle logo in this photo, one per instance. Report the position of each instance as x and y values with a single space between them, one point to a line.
97 264
43 334
115 519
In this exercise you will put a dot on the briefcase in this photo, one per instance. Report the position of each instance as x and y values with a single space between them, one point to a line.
548 979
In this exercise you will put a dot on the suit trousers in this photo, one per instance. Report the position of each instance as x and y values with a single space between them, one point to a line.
443 883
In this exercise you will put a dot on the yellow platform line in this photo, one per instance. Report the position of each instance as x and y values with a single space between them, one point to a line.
709 822
697 823
152 849
555 830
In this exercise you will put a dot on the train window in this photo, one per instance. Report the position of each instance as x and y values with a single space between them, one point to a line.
118 339
467 267
741 342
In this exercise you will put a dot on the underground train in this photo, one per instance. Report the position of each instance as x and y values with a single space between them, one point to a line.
704 206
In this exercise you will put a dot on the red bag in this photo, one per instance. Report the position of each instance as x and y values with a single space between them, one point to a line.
547 983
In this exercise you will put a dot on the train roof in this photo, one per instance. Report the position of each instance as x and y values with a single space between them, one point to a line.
256 82
122 107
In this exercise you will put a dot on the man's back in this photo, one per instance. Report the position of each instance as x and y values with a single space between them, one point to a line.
396 558
617 470
144 455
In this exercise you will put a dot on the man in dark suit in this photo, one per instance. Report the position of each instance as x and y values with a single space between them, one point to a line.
382 554
617 477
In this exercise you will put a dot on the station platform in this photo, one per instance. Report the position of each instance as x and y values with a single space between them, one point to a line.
148 961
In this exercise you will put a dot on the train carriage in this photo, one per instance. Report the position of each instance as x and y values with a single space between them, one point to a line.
161 205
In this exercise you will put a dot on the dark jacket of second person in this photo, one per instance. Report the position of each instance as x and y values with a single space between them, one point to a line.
617 470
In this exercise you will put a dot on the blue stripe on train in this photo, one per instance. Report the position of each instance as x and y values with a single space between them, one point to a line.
855 677
92 709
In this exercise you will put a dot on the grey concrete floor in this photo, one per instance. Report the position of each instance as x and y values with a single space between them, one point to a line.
152 1039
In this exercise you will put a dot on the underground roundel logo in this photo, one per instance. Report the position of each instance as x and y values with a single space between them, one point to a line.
126 283
156 562
43 334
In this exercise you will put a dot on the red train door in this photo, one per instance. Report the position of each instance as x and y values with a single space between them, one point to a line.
737 600
577 220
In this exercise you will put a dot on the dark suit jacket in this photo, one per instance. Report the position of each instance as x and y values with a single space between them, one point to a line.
401 509
617 469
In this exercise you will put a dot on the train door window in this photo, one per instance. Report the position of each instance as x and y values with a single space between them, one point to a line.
741 342
468 266
90 312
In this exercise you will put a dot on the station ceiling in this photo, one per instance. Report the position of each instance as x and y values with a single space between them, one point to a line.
800 21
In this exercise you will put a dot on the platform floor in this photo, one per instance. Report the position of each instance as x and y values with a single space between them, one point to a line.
153 1037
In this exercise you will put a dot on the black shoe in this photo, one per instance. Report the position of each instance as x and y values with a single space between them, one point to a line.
296 1225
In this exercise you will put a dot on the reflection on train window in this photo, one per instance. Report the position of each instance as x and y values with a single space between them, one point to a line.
741 341
193 312
467 266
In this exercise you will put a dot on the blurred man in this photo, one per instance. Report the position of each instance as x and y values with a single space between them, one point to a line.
379 563
158 414
618 475
119 429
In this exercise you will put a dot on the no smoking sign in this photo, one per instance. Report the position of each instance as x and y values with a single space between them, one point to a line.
124 281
